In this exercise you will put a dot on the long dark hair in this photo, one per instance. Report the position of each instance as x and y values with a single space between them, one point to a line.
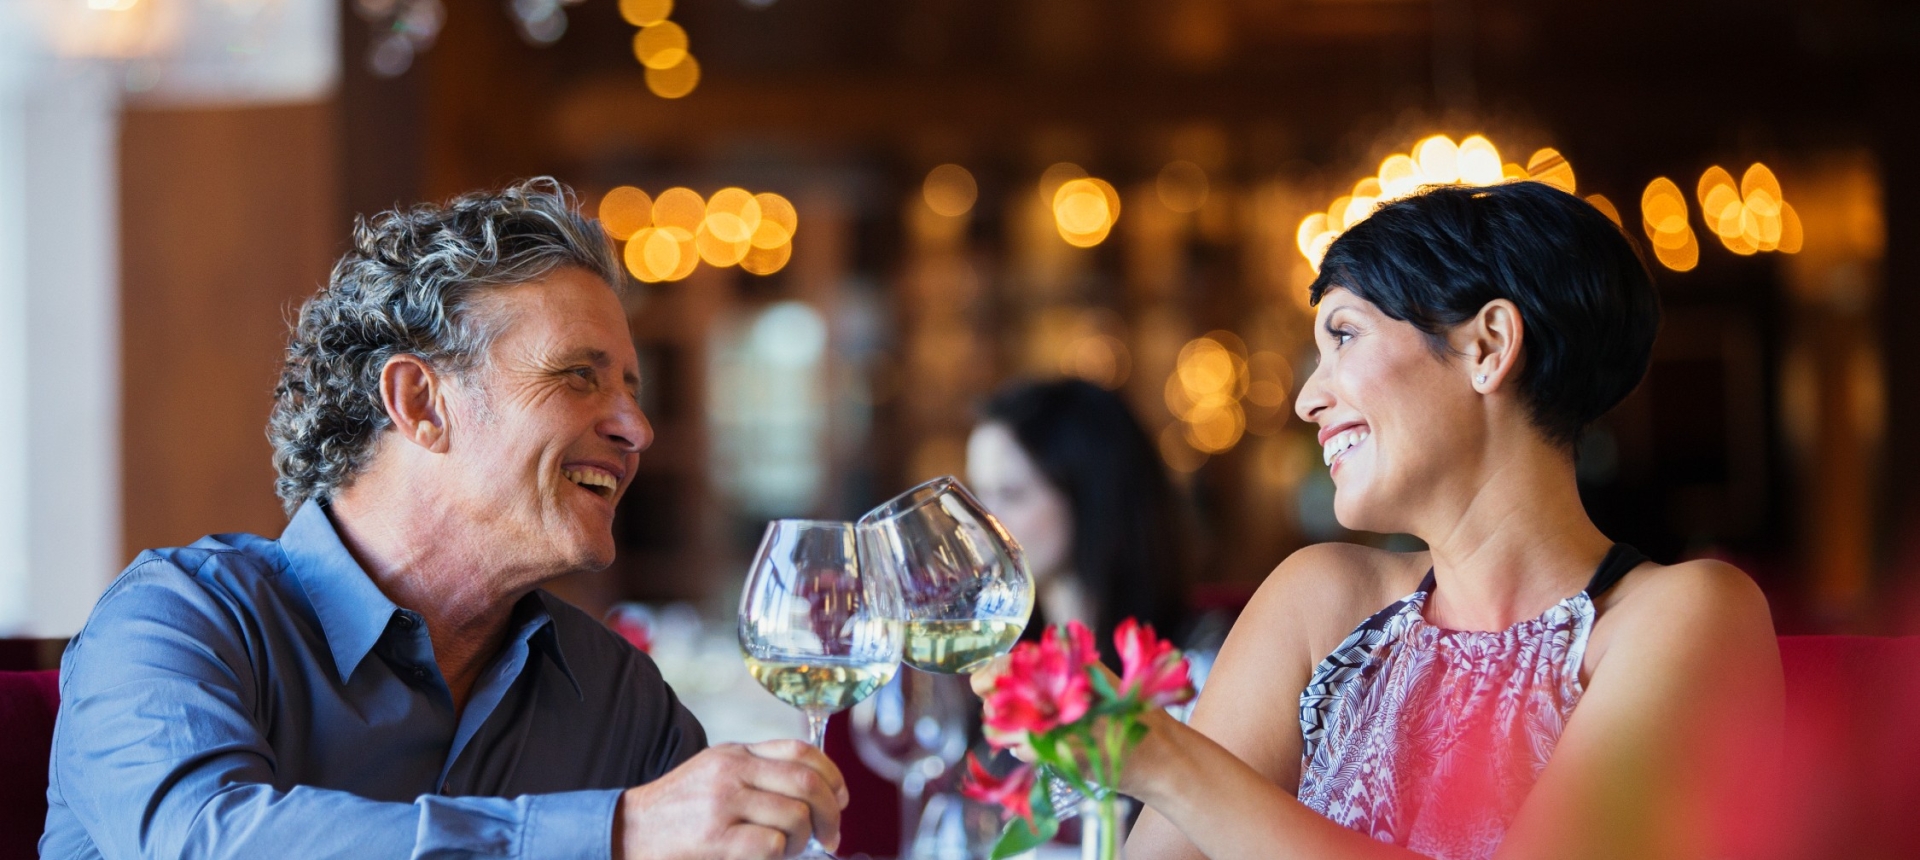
1127 538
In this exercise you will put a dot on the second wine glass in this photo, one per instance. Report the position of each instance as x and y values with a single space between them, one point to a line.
962 576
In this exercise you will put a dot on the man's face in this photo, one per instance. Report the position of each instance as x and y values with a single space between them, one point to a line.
546 433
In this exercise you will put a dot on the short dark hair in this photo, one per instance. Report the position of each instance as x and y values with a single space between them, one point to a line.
1128 548
1584 291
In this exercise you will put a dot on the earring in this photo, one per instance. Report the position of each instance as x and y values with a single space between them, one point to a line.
1480 380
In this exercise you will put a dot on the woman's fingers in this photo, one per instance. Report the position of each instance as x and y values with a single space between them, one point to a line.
982 679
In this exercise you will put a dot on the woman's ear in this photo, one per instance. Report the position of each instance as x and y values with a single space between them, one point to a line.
412 394
1490 343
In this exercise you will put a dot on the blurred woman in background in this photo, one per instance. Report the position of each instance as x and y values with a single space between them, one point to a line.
1071 474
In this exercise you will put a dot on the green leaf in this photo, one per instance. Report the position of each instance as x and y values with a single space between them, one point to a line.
1102 686
1018 838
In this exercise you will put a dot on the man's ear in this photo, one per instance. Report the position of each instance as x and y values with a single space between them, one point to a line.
1491 344
414 396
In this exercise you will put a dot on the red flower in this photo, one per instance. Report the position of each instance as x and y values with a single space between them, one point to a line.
1044 686
1150 666
1014 793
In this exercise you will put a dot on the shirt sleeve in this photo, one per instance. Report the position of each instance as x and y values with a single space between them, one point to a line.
157 755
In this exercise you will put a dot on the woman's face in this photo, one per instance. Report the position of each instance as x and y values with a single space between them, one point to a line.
1396 421
1012 486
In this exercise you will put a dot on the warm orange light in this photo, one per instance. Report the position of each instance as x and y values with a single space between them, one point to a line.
679 207
652 254
1715 192
1511 172
1182 186
1310 229
676 81
779 221
716 251
1439 159
661 45
732 216
1479 161
766 261
949 190
1084 210
1792 234
1606 208
1399 176
645 13
1759 180
1549 166
625 210
689 253
1682 258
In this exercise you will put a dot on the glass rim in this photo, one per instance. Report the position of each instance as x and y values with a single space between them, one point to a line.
809 523
886 510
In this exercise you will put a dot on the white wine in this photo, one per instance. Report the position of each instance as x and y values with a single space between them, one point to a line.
823 685
959 646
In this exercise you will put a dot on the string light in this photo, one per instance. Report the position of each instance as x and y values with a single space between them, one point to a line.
1434 160
1751 217
1663 214
1084 210
949 190
661 46
1209 379
669 236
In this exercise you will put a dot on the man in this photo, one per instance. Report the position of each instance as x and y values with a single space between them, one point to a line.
454 424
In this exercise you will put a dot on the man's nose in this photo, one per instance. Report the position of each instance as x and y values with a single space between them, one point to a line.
628 427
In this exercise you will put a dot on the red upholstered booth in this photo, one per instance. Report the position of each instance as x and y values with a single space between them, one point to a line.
28 702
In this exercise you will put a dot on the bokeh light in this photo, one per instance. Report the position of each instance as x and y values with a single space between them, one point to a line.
1550 167
645 13
625 210
1057 175
660 46
1209 379
1751 217
1663 214
1479 161
1439 160
949 190
1084 211
1607 208
675 82
779 221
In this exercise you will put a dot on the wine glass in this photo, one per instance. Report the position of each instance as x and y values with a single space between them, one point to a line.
818 630
963 578
913 731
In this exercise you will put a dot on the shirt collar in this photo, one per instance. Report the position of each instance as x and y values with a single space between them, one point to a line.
536 608
353 612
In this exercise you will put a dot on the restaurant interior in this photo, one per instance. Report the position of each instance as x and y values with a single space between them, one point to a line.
849 221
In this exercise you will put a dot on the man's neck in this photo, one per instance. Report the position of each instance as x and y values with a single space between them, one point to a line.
453 588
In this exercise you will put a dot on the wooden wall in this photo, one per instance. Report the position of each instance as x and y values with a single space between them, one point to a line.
229 217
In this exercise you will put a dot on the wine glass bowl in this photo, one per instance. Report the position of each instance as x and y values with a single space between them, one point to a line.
962 577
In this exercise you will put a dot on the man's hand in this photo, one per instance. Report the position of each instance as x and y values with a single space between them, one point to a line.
734 802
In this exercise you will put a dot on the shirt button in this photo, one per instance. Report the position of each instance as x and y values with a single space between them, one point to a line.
406 621
419 673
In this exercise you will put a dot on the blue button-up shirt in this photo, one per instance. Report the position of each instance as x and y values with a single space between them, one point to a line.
245 697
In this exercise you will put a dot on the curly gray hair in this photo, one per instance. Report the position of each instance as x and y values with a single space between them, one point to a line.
406 288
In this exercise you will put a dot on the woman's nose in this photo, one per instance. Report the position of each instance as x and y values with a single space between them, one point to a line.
1313 397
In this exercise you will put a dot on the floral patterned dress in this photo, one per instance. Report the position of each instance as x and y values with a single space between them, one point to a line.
1430 738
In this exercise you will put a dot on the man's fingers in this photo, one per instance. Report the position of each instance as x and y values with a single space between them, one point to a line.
793 818
805 754
802 784
753 842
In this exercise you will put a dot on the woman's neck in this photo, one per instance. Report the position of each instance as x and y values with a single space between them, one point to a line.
1064 598
1519 542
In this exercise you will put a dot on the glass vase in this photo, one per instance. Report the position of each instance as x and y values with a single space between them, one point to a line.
1101 827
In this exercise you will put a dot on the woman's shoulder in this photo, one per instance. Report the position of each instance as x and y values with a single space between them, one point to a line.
1702 604
1322 591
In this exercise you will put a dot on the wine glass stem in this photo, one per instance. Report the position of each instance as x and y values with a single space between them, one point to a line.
817 728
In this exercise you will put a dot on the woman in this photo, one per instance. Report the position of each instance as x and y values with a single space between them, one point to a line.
1067 469
1524 688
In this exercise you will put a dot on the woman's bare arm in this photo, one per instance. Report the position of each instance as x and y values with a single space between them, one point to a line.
1250 709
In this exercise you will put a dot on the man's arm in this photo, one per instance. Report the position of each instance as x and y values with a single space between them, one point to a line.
157 754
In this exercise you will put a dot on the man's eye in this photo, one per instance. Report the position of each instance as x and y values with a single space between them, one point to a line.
585 373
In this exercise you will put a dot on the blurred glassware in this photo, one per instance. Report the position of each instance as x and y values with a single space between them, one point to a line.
913 731
964 581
